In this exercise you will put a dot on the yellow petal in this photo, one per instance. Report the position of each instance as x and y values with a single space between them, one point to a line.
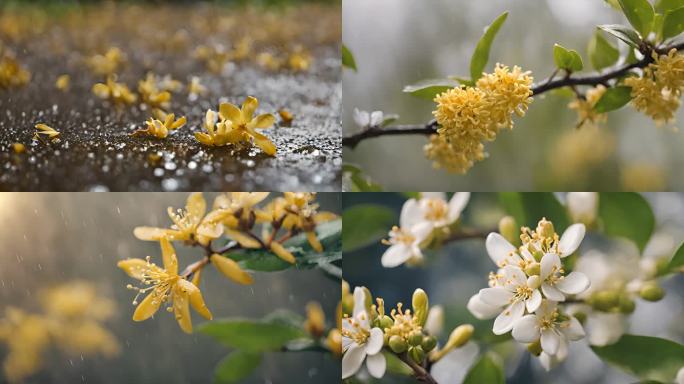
283 253
204 138
210 120
289 221
181 308
256 198
248 107
147 307
196 206
150 233
169 256
101 90
210 230
263 121
197 278
133 267
228 111
231 269
244 240
196 299
313 240
169 119
322 217
178 123
265 144
263 216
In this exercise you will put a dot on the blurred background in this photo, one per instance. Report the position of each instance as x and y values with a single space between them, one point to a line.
48 239
399 42
458 270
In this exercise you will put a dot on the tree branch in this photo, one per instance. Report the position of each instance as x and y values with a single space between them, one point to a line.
421 373
537 89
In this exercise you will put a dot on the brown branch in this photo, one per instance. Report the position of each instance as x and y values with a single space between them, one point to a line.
537 89
466 234
421 373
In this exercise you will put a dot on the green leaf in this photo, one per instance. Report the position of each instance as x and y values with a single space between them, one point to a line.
428 89
648 358
640 14
602 54
348 58
529 208
480 57
365 224
567 59
623 33
663 6
628 215
252 335
360 182
673 23
487 370
463 81
389 119
614 98
677 262
236 366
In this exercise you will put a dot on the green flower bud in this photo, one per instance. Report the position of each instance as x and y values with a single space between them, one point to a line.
415 338
429 343
535 348
581 317
627 305
662 265
385 322
533 269
417 354
651 291
605 300
509 229
397 344
420 306
459 336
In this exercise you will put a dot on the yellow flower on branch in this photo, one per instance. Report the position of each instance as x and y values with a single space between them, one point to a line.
302 214
118 93
158 128
164 286
456 156
49 132
585 107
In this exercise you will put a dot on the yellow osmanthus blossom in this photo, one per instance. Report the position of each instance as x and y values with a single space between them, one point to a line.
46 130
160 129
299 60
195 88
18 148
468 116
219 133
189 224
151 93
164 286
107 64
62 82
118 93
657 93
12 74
585 107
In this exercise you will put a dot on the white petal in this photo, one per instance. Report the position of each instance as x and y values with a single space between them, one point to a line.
505 321
376 365
456 205
411 214
396 255
526 330
515 277
574 283
605 328
434 324
550 341
421 231
361 118
433 195
498 248
534 301
455 365
573 329
497 296
552 293
550 263
680 376
352 360
482 310
571 239
582 206
562 350
359 302
376 118
375 341
546 361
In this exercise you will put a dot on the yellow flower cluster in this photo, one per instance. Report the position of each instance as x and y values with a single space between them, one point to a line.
12 74
233 215
161 126
118 93
585 107
71 321
108 63
657 92
470 116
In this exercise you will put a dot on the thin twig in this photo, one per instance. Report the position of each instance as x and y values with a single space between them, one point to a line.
545 86
421 373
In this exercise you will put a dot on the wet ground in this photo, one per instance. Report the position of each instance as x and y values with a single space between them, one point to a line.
96 151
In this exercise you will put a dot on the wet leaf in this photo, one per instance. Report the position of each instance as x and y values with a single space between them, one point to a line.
236 366
365 224
640 14
251 335
480 57
628 215
602 54
614 98
486 370
673 23
623 33
348 58
428 89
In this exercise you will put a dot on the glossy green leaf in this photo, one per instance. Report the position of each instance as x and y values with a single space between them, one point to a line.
640 14
623 33
673 23
480 57
365 224
663 6
359 181
602 54
236 366
348 60
628 215
567 59
389 119
428 89
251 335
648 358
529 208
463 81
486 370
614 98
677 262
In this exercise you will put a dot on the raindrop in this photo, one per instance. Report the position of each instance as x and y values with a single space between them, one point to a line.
170 184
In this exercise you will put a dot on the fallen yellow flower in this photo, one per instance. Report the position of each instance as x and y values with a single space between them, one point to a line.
62 82
160 129
116 92
46 130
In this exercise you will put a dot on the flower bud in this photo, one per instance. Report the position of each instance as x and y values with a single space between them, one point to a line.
397 344
533 269
583 207
651 291
459 336
580 316
417 354
283 253
385 322
545 228
347 298
415 338
420 305
535 348
334 342
626 304
429 343
508 228
315 319
605 300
